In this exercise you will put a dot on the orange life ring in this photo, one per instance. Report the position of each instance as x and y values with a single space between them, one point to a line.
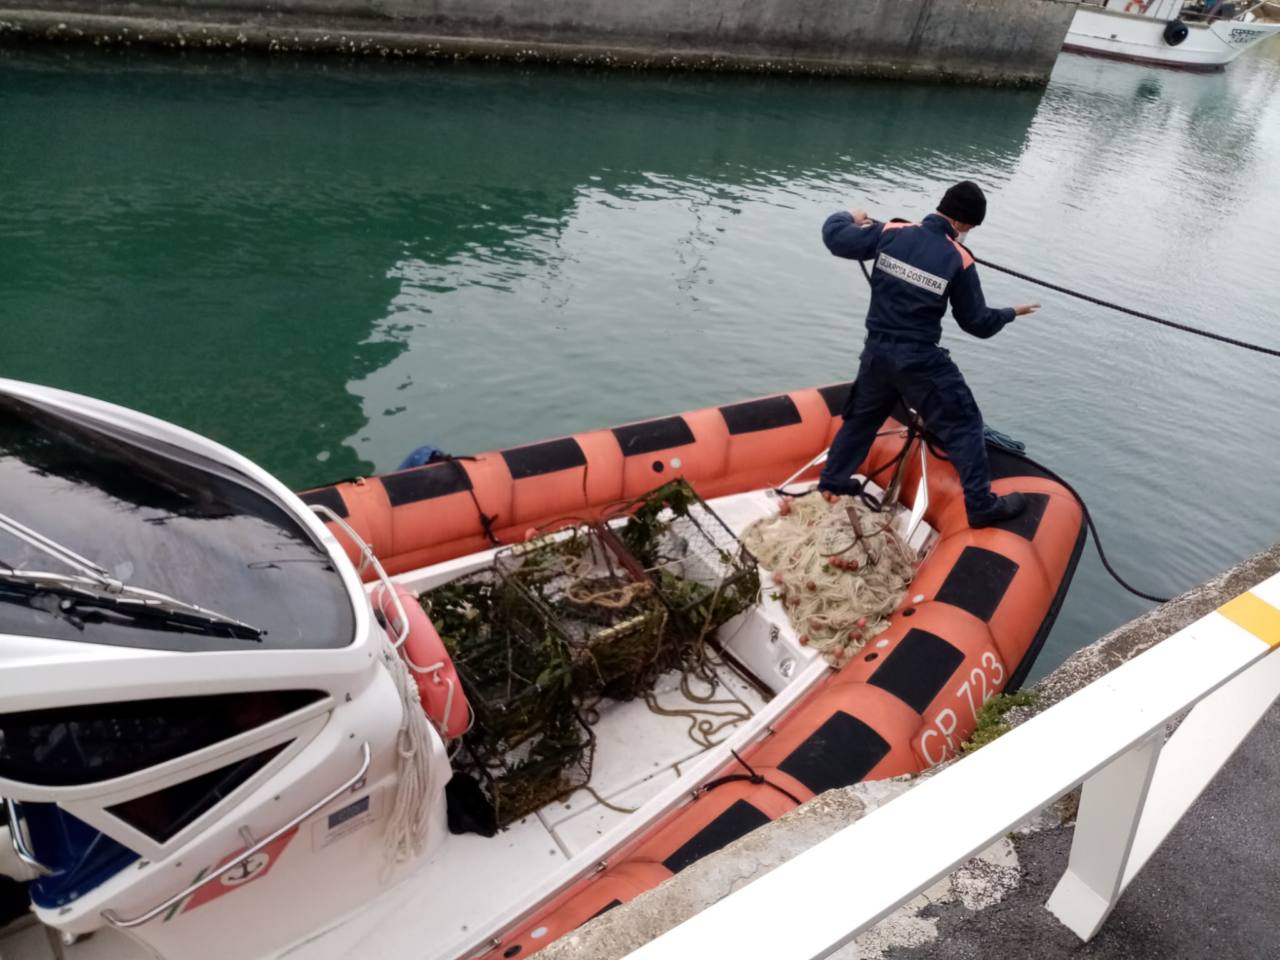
429 662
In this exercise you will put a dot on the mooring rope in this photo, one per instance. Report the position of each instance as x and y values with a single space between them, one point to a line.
1088 519
1129 311
1008 448
1119 308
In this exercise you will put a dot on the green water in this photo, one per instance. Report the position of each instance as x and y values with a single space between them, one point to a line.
326 264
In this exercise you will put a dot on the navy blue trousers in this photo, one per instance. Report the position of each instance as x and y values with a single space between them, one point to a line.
926 379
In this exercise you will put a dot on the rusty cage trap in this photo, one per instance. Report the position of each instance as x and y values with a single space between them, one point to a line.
592 593
560 621
700 569
527 746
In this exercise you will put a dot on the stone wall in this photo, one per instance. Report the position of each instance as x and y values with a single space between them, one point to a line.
988 41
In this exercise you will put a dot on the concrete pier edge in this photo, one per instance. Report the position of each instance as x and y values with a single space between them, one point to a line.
175 28
616 933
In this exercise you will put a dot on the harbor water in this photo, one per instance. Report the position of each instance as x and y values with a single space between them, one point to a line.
326 264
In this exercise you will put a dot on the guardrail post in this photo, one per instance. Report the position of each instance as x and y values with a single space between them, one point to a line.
1198 749
1110 808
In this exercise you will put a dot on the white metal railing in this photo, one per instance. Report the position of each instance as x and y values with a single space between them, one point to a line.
400 620
1110 736
19 841
351 783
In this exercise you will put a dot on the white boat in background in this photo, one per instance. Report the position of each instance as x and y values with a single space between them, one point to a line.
1174 33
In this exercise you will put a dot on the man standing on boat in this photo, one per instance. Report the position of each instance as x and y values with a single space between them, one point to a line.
919 269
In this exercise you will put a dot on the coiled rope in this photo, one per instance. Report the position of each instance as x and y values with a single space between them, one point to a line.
410 821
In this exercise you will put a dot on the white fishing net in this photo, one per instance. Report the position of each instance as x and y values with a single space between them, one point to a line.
839 583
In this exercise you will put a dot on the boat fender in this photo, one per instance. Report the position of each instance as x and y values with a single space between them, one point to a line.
424 652
1175 31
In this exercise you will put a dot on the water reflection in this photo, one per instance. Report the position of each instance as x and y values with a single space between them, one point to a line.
229 243
1111 115
620 222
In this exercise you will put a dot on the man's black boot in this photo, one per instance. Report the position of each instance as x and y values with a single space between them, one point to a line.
1005 508
840 488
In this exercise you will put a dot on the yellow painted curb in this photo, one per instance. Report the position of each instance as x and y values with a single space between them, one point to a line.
1255 615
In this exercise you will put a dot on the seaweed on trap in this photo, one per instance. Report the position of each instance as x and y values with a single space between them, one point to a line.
560 621
701 571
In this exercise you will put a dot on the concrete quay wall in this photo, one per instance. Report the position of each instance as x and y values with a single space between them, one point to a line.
1003 42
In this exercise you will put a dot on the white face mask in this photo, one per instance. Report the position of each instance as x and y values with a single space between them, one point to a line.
964 237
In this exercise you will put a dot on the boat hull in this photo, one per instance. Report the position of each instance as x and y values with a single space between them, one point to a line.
1140 39
972 623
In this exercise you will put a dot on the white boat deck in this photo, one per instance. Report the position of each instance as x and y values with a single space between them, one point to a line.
644 762
639 751
641 758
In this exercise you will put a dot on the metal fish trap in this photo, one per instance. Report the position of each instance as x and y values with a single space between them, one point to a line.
701 571
596 598
516 672
540 771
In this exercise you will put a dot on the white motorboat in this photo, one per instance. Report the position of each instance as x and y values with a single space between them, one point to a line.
1175 33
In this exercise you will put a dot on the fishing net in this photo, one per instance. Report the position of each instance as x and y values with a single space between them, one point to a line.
839 569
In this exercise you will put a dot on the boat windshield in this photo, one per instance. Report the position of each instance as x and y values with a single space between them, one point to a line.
111 537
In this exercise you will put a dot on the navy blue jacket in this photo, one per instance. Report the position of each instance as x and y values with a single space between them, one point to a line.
919 268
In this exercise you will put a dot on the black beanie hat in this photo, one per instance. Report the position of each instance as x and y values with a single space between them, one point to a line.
964 203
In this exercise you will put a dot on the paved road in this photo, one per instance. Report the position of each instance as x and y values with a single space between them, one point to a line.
1212 890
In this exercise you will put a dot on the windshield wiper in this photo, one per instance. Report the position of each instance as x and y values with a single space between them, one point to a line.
98 585
58 551
130 600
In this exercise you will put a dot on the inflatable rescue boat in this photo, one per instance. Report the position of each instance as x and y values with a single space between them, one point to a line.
212 683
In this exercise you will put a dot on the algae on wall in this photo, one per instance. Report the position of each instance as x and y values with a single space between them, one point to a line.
1000 42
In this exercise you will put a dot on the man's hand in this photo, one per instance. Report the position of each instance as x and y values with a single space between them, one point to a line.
1026 309
860 217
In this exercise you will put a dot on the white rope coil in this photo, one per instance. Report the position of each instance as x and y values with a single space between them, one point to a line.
838 586
410 820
